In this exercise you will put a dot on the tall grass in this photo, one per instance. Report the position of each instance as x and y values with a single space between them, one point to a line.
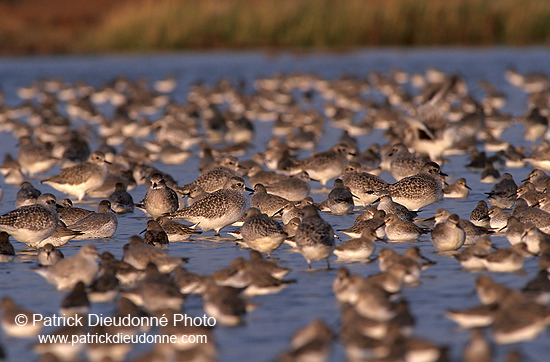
172 24
148 25
53 26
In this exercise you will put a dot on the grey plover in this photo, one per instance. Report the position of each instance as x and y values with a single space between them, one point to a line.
310 341
14 177
391 207
472 232
70 214
420 190
291 226
539 178
391 280
225 304
398 229
472 257
357 249
544 203
535 239
68 271
339 200
490 292
49 255
76 301
138 254
314 237
346 286
515 229
175 230
33 223
503 193
403 163
372 302
258 262
540 156
507 260
261 282
34 158
373 221
290 211
99 225
155 235
125 273
105 287
473 317
7 252
293 188
490 174
218 209
457 190
515 156
256 175
479 216
518 320
236 275
61 236
159 199
498 218
362 184
193 192
157 291
260 232
26 195
166 85
173 155
268 204
188 282
528 192
10 310
329 164
215 178
528 214
448 235
11 170
121 200
538 288
79 179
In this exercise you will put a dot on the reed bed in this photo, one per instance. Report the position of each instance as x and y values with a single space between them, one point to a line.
153 25
172 24
53 26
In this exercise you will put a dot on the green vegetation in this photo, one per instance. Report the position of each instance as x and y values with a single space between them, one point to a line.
152 25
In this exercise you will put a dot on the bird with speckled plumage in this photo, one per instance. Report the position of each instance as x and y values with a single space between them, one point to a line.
314 237
218 209
420 190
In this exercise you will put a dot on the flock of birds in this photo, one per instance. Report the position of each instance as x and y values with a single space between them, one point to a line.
425 118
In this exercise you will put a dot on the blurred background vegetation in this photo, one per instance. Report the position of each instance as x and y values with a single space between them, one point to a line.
68 26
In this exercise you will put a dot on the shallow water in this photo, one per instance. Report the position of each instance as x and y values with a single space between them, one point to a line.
268 328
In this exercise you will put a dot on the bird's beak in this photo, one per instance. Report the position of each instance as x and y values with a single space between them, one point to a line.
280 212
